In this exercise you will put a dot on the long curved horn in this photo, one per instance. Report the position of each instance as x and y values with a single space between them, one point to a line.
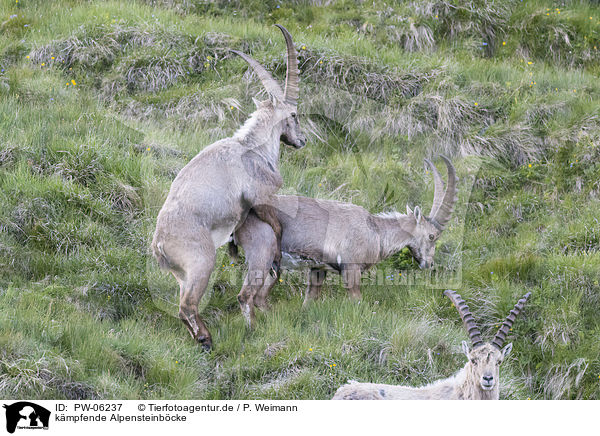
442 210
465 315
510 319
265 77
292 76
438 194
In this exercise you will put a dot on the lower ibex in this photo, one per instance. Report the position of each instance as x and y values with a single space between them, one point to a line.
326 235
478 380
213 193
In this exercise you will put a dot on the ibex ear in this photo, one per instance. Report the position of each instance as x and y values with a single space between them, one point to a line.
418 214
465 348
408 210
506 350
276 101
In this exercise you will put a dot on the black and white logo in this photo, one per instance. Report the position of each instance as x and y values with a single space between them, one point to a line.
26 415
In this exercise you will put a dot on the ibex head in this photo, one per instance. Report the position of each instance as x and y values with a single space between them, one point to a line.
485 358
284 102
429 228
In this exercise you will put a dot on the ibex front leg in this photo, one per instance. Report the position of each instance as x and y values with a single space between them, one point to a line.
351 280
315 282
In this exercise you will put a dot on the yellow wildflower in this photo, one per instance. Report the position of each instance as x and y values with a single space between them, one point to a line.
43 63
476 104
503 42
73 82
529 165
52 58
27 56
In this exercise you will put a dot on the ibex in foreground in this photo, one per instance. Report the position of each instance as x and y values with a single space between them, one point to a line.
326 235
212 194
478 380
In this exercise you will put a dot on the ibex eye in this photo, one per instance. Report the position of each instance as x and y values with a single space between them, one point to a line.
431 237
294 114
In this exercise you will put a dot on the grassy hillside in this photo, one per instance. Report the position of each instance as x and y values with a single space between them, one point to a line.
101 104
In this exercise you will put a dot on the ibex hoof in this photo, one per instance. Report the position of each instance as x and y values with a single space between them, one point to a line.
274 269
205 343
262 306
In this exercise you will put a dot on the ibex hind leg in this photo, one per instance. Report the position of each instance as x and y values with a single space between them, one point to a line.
267 214
257 278
192 288
260 298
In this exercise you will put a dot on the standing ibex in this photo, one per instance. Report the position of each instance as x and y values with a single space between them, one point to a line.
212 194
326 235
478 380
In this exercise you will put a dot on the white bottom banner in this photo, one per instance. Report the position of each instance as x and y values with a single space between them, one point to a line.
23 417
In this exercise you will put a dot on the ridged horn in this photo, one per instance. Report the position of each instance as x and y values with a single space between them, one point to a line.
441 211
510 319
465 315
292 75
438 194
265 77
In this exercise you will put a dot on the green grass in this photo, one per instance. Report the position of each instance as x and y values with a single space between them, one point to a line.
91 140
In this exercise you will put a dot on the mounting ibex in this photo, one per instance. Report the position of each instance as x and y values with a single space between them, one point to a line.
212 194
478 380
326 235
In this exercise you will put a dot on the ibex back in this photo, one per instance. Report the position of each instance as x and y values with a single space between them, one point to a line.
213 193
